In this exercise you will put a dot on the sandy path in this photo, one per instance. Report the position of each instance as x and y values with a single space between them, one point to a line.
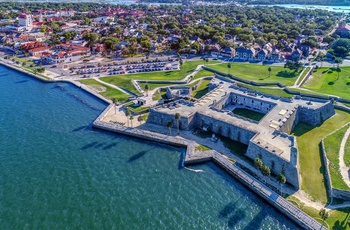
344 170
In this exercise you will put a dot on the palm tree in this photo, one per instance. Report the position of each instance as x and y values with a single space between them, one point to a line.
127 114
207 60
258 163
131 118
266 171
140 119
169 125
269 69
338 61
229 67
324 215
282 180
177 118
115 101
146 88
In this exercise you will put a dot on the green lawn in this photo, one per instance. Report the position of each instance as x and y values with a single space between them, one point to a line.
124 81
306 70
109 92
260 73
332 146
201 148
135 107
203 73
254 115
201 90
347 153
325 80
268 90
152 85
338 218
308 139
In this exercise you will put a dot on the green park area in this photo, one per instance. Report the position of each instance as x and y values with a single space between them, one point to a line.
331 81
201 90
332 147
105 90
309 138
253 115
124 81
260 73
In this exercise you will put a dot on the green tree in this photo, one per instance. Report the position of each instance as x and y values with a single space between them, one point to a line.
324 215
169 125
91 38
177 118
110 42
269 69
229 67
281 180
115 101
140 119
258 163
127 114
131 119
146 88
266 170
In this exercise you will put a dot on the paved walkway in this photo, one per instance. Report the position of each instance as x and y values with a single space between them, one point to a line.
344 170
113 86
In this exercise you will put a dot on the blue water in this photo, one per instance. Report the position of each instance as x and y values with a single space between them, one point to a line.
58 173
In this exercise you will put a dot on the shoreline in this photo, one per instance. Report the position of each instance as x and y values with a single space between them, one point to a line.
278 202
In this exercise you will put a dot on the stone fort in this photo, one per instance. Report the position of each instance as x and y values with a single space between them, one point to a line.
268 139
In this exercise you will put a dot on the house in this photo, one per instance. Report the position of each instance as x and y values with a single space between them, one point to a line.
296 55
228 52
275 55
262 54
38 51
343 30
306 50
245 53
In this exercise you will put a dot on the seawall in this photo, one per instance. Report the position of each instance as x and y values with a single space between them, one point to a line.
294 213
75 83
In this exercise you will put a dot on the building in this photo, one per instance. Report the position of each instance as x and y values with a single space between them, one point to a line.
343 30
25 20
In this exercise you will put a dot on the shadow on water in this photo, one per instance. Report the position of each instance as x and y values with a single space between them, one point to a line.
256 222
228 209
80 128
236 217
109 146
99 145
137 156
23 81
88 146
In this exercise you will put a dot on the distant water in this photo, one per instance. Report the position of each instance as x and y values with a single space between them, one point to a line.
339 9
58 173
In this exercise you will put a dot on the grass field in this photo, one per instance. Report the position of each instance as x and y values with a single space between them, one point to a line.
260 73
309 138
201 90
332 146
347 153
152 85
254 115
337 219
268 90
124 81
325 80
203 73
306 70
135 107
109 91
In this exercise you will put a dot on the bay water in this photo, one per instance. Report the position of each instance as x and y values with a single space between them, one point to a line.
56 172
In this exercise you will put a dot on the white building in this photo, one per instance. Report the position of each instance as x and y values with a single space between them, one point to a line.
25 20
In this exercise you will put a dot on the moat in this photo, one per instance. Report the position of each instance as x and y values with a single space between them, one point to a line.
59 173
